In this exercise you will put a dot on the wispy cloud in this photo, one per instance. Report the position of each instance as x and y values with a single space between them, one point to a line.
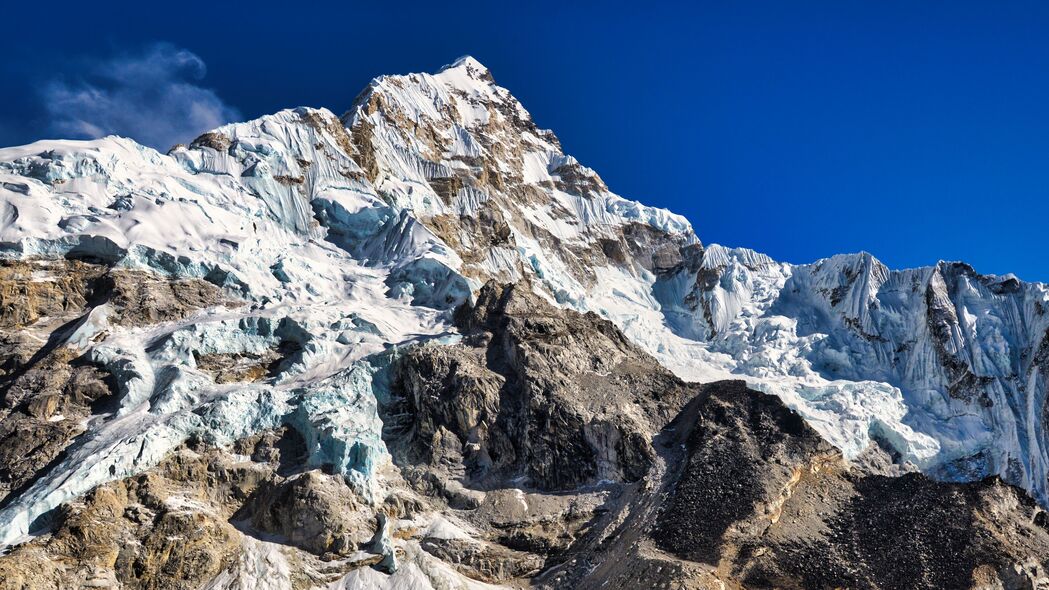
152 97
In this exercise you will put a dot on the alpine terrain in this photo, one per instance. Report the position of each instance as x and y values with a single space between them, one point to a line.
419 346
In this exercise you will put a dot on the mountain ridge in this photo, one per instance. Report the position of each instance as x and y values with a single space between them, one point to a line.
337 241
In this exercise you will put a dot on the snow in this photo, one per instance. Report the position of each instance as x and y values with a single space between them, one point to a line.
442 528
419 571
261 565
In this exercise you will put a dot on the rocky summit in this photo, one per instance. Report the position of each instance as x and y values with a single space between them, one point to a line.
419 346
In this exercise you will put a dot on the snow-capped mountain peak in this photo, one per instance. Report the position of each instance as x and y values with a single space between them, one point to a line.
473 69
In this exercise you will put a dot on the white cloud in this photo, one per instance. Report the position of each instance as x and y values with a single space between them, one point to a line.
152 97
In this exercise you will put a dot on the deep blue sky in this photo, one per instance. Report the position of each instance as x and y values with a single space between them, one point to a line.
914 130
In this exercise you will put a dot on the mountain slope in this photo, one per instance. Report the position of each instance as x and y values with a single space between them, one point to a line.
320 248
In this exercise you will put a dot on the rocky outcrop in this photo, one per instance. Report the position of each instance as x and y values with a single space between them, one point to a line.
45 407
239 367
48 386
48 290
532 426
32 291
314 512
141 299
753 497
157 530
560 398
745 453
188 520
736 490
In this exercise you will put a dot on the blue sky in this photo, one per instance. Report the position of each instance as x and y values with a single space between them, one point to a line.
917 131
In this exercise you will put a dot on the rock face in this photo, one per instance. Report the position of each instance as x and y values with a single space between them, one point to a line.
184 522
49 387
743 450
729 488
419 346
555 400
763 499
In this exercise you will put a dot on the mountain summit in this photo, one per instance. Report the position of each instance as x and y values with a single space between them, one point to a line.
472 67
418 345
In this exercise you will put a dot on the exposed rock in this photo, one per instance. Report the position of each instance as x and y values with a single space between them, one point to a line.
139 531
238 367
560 397
745 451
139 298
753 497
312 511
61 289
182 523
213 140
30 291
44 404
484 561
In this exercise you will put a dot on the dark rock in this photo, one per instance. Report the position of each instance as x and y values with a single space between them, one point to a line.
561 397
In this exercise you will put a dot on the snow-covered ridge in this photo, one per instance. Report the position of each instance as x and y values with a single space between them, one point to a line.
364 231
959 357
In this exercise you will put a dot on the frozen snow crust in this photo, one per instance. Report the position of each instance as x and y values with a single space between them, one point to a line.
348 238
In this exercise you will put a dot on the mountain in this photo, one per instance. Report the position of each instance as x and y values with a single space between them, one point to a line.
420 346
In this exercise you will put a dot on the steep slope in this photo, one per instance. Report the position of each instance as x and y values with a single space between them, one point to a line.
243 228
842 340
754 498
963 352
464 156
525 455
265 277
